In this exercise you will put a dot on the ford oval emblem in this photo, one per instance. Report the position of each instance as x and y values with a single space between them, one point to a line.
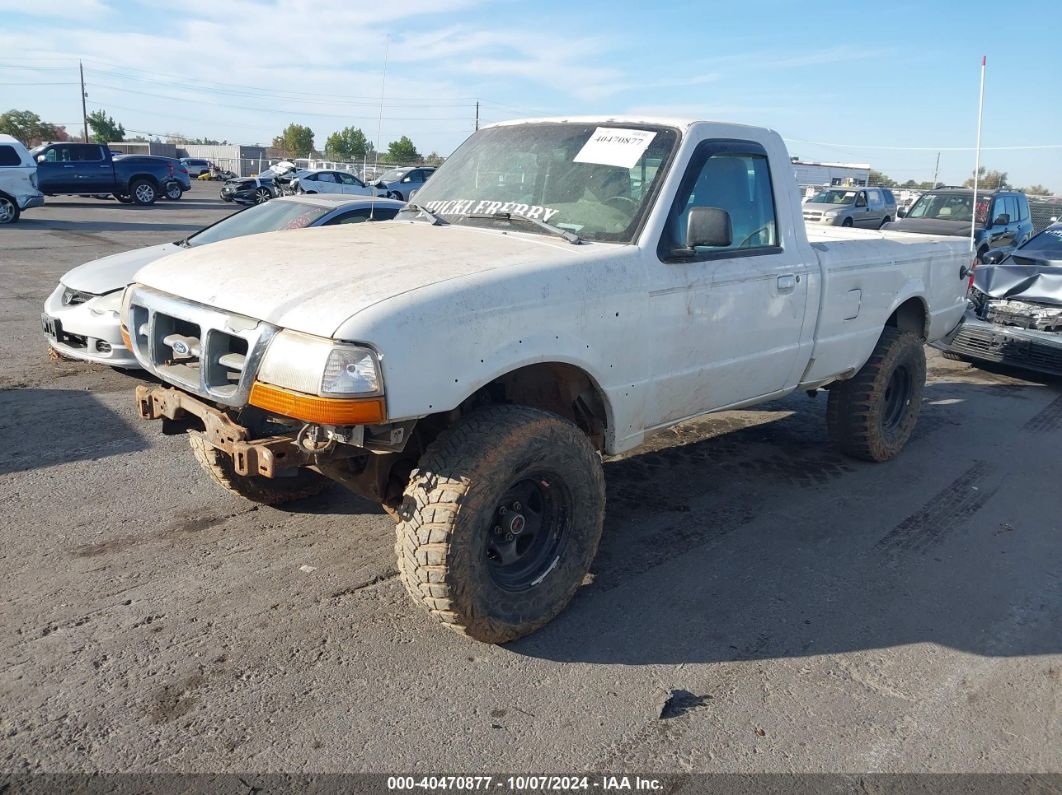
180 347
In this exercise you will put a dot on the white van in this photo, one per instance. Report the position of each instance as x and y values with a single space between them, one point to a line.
18 180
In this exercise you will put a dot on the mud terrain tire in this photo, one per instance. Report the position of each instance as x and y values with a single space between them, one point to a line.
501 469
872 415
266 491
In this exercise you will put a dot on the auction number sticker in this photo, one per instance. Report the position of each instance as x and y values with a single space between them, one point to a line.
615 146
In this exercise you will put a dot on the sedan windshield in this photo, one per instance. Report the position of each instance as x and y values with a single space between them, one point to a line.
393 175
1047 244
834 197
269 217
592 180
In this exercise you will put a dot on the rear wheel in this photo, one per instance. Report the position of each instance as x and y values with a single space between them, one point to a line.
143 192
500 522
885 221
9 211
174 191
267 491
872 415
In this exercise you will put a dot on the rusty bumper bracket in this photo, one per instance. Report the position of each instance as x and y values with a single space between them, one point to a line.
270 457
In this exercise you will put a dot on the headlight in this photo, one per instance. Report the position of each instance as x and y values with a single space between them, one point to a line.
318 366
108 302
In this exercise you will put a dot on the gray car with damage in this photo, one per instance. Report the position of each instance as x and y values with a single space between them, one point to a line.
1015 312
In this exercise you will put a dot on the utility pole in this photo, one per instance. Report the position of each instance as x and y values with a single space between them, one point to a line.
84 111
477 114
936 170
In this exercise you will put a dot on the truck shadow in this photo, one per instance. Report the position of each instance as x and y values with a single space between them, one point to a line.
41 428
735 542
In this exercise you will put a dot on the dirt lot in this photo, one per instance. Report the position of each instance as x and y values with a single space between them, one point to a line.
820 614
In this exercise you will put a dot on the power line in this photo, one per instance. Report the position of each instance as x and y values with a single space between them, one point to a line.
921 148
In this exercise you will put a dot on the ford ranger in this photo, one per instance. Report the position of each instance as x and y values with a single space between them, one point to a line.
559 289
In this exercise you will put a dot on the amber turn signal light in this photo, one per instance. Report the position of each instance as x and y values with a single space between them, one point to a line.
311 408
125 339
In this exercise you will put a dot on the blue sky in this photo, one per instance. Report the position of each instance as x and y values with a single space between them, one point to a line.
884 83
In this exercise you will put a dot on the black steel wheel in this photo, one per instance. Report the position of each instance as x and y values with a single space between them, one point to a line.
529 531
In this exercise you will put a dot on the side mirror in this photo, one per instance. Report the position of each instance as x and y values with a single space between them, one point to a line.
41 158
708 226
1001 220
995 256
901 212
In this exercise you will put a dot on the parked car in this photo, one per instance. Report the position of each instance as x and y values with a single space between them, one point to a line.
18 180
398 183
1003 217
259 189
81 315
80 169
1015 314
467 364
321 181
865 207
196 166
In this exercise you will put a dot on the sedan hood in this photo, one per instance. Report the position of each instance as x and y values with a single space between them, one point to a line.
930 226
1038 284
312 280
825 206
116 271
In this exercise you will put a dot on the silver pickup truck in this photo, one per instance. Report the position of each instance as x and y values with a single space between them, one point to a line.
559 289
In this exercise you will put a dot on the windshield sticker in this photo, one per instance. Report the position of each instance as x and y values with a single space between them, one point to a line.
612 146
486 207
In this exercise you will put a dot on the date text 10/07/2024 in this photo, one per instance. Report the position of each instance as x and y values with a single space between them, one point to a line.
523 783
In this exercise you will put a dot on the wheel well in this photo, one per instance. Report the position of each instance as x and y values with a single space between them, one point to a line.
910 316
562 389
146 177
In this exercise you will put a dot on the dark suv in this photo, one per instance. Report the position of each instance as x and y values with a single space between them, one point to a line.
1003 218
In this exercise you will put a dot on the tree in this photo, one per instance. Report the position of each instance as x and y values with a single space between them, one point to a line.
988 180
434 159
402 151
1037 190
28 127
881 180
295 141
104 128
349 144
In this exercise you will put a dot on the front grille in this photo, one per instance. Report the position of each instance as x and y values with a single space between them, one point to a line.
811 215
206 351
984 344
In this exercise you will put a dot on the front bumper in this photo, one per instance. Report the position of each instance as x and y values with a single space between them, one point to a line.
81 331
1040 351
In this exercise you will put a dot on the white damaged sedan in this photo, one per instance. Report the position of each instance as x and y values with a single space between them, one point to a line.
81 319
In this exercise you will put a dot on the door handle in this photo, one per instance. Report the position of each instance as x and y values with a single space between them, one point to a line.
67 166
787 281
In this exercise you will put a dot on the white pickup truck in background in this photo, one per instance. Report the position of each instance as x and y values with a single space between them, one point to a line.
558 289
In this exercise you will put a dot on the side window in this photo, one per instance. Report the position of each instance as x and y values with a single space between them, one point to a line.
417 176
353 217
1023 208
734 181
889 198
1012 209
325 176
861 199
9 157
57 154
874 200
89 154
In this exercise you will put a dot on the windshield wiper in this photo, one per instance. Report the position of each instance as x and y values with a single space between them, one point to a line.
571 237
435 220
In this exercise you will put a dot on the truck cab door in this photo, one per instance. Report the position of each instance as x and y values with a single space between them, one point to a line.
95 174
725 323
56 170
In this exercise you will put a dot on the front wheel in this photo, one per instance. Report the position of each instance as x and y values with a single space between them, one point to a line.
847 222
9 211
393 194
500 522
872 415
256 488
143 192
262 195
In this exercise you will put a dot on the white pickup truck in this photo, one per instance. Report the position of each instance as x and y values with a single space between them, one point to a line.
559 289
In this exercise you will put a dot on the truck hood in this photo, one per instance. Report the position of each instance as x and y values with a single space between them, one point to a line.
111 273
931 226
312 280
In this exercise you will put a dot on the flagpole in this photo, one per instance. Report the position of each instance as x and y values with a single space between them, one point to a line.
977 158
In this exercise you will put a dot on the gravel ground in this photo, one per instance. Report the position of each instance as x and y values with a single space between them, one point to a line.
806 612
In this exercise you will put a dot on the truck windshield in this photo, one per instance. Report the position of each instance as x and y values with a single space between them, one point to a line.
833 197
269 217
589 179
